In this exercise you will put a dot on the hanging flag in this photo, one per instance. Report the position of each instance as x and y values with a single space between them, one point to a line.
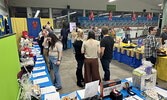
133 16
91 16
2 25
149 17
34 26
110 16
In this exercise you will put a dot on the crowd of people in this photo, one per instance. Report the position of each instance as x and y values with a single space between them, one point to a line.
98 45
86 53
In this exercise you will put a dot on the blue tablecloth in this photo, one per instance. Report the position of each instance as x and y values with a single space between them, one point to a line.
124 58
46 84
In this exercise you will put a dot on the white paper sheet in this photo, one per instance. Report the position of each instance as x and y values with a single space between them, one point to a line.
39 55
99 88
38 68
39 62
129 79
39 58
160 91
81 93
91 89
48 89
41 80
52 96
39 74
135 97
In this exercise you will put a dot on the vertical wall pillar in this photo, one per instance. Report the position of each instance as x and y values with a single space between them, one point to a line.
164 18
84 14
50 13
68 15
29 12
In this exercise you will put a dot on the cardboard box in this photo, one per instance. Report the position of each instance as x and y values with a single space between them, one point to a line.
132 53
137 55
144 81
128 52
122 51
118 49
106 87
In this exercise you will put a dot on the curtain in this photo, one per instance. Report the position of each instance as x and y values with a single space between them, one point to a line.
18 26
45 21
2 26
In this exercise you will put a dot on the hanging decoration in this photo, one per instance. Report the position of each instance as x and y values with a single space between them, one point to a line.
149 17
133 16
91 16
34 24
1 26
110 16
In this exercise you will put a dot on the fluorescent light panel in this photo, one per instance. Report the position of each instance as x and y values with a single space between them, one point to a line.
37 13
65 15
111 0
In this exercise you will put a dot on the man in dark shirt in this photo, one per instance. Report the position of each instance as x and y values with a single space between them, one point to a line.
163 35
106 55
64 37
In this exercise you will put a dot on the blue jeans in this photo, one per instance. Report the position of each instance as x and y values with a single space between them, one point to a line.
106 68
55 68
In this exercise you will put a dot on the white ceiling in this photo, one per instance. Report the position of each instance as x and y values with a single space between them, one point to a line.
121 5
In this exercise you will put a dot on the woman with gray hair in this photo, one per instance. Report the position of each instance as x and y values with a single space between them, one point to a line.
79 56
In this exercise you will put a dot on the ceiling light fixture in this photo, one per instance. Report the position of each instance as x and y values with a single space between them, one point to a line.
111 0
37 13
160 4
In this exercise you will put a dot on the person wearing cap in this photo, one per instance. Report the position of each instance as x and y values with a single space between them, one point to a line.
163 35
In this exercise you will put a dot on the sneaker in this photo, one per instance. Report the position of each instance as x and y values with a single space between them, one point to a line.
57 89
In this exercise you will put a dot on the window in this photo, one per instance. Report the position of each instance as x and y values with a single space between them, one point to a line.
20 12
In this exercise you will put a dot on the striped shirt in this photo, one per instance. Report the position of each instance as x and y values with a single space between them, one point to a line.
150 46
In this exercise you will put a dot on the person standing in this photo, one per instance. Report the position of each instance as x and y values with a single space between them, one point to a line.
97 33
106 46
91 49
48 28
163 35
64 37
150 46
79 57
45 45
55 55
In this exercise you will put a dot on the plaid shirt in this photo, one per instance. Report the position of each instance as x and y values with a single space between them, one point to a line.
150 46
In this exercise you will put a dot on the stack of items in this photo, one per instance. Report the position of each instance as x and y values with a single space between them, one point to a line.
26 57
144 77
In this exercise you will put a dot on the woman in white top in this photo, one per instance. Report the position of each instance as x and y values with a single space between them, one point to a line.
55 55
91 49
